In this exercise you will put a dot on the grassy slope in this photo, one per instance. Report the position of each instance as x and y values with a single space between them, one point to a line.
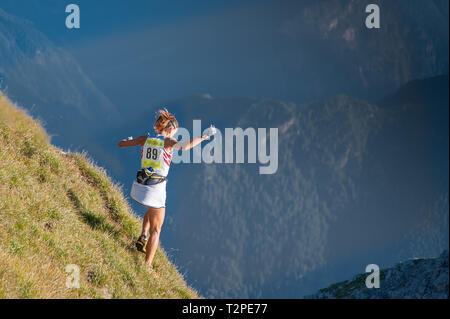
58 209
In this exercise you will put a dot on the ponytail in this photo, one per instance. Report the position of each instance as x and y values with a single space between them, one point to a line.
165 121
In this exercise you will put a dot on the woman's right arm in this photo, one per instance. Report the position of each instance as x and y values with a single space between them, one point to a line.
133 142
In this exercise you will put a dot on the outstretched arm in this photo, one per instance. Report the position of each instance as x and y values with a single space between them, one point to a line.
184 146
133 142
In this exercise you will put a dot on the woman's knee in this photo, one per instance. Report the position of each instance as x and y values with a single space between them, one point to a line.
147 215
155 227
155 230
156 221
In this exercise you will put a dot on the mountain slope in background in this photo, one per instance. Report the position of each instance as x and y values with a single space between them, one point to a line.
412 43
287 50
50 84
419 278
57 209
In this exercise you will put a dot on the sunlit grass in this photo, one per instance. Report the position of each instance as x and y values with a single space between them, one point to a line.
58 209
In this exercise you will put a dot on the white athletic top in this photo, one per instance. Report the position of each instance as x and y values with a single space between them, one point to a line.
153 154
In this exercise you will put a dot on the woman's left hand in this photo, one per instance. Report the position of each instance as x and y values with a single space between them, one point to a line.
210 131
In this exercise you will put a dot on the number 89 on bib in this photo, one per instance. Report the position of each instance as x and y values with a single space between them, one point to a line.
152 153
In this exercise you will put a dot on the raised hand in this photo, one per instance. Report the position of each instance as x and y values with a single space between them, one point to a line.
210 131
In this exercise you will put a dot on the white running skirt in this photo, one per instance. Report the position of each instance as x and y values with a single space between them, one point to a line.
149 195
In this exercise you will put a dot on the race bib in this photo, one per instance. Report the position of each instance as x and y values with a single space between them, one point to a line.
152 153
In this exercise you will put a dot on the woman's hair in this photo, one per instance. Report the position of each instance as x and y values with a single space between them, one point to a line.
164 121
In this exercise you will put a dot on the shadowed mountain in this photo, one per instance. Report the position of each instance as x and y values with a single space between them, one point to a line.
412 42
287 50
49 83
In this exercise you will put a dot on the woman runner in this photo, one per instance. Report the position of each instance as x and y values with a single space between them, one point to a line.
149 188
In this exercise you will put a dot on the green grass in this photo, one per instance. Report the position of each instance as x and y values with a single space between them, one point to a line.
58 209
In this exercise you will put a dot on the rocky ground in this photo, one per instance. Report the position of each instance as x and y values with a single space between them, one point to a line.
413 279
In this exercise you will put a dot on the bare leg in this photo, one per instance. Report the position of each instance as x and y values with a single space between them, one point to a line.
146 222
156 218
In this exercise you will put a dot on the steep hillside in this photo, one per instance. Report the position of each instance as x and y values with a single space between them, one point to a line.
416 278
58 209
